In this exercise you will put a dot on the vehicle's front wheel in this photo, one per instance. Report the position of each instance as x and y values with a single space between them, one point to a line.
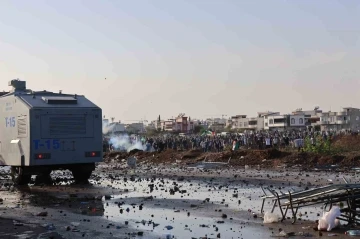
82 173
20 176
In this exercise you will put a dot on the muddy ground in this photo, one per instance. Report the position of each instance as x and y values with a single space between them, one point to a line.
172 200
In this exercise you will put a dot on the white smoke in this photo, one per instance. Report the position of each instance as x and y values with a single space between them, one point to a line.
125 143
105 127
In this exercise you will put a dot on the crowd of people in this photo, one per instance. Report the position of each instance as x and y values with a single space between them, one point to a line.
218 143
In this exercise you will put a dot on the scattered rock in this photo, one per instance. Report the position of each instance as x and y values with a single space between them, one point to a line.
42 214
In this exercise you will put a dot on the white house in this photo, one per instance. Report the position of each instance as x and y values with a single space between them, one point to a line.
297 120
275 122
346 119
243 122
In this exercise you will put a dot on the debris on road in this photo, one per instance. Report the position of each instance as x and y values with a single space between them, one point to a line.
42 214
270 217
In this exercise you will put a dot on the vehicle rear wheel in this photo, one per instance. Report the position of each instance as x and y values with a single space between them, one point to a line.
44 177
20 176
82 173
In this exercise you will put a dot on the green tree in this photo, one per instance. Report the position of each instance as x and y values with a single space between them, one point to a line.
150 131
317 128
198 129
240 130
321 146
228 129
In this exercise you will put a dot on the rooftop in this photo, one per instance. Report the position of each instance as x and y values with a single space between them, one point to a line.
267 113
3 93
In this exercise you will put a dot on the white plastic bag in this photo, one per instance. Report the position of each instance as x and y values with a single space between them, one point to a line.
270 217
328 220
322 226
337 223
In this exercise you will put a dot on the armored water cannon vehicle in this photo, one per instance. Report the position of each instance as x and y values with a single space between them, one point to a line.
41 131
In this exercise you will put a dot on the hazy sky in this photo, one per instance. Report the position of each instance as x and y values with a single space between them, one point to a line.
201 57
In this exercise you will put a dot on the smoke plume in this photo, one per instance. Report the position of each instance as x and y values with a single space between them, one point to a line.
125 143
105 127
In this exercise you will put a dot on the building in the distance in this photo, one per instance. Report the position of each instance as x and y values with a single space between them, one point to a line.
155 125
211 121
242 122
135 128
216 124
200 123
112 127
297 120
167 125
181 124
217 127
311 117
346 119
275 121
152 125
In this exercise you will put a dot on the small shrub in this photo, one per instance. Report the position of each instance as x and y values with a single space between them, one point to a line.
320 146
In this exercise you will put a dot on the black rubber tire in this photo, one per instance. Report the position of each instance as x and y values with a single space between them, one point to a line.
82 173
44 178
20 176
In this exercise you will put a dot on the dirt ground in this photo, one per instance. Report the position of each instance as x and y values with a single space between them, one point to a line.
10 229
346 157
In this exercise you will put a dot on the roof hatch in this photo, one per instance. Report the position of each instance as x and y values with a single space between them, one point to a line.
60 100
